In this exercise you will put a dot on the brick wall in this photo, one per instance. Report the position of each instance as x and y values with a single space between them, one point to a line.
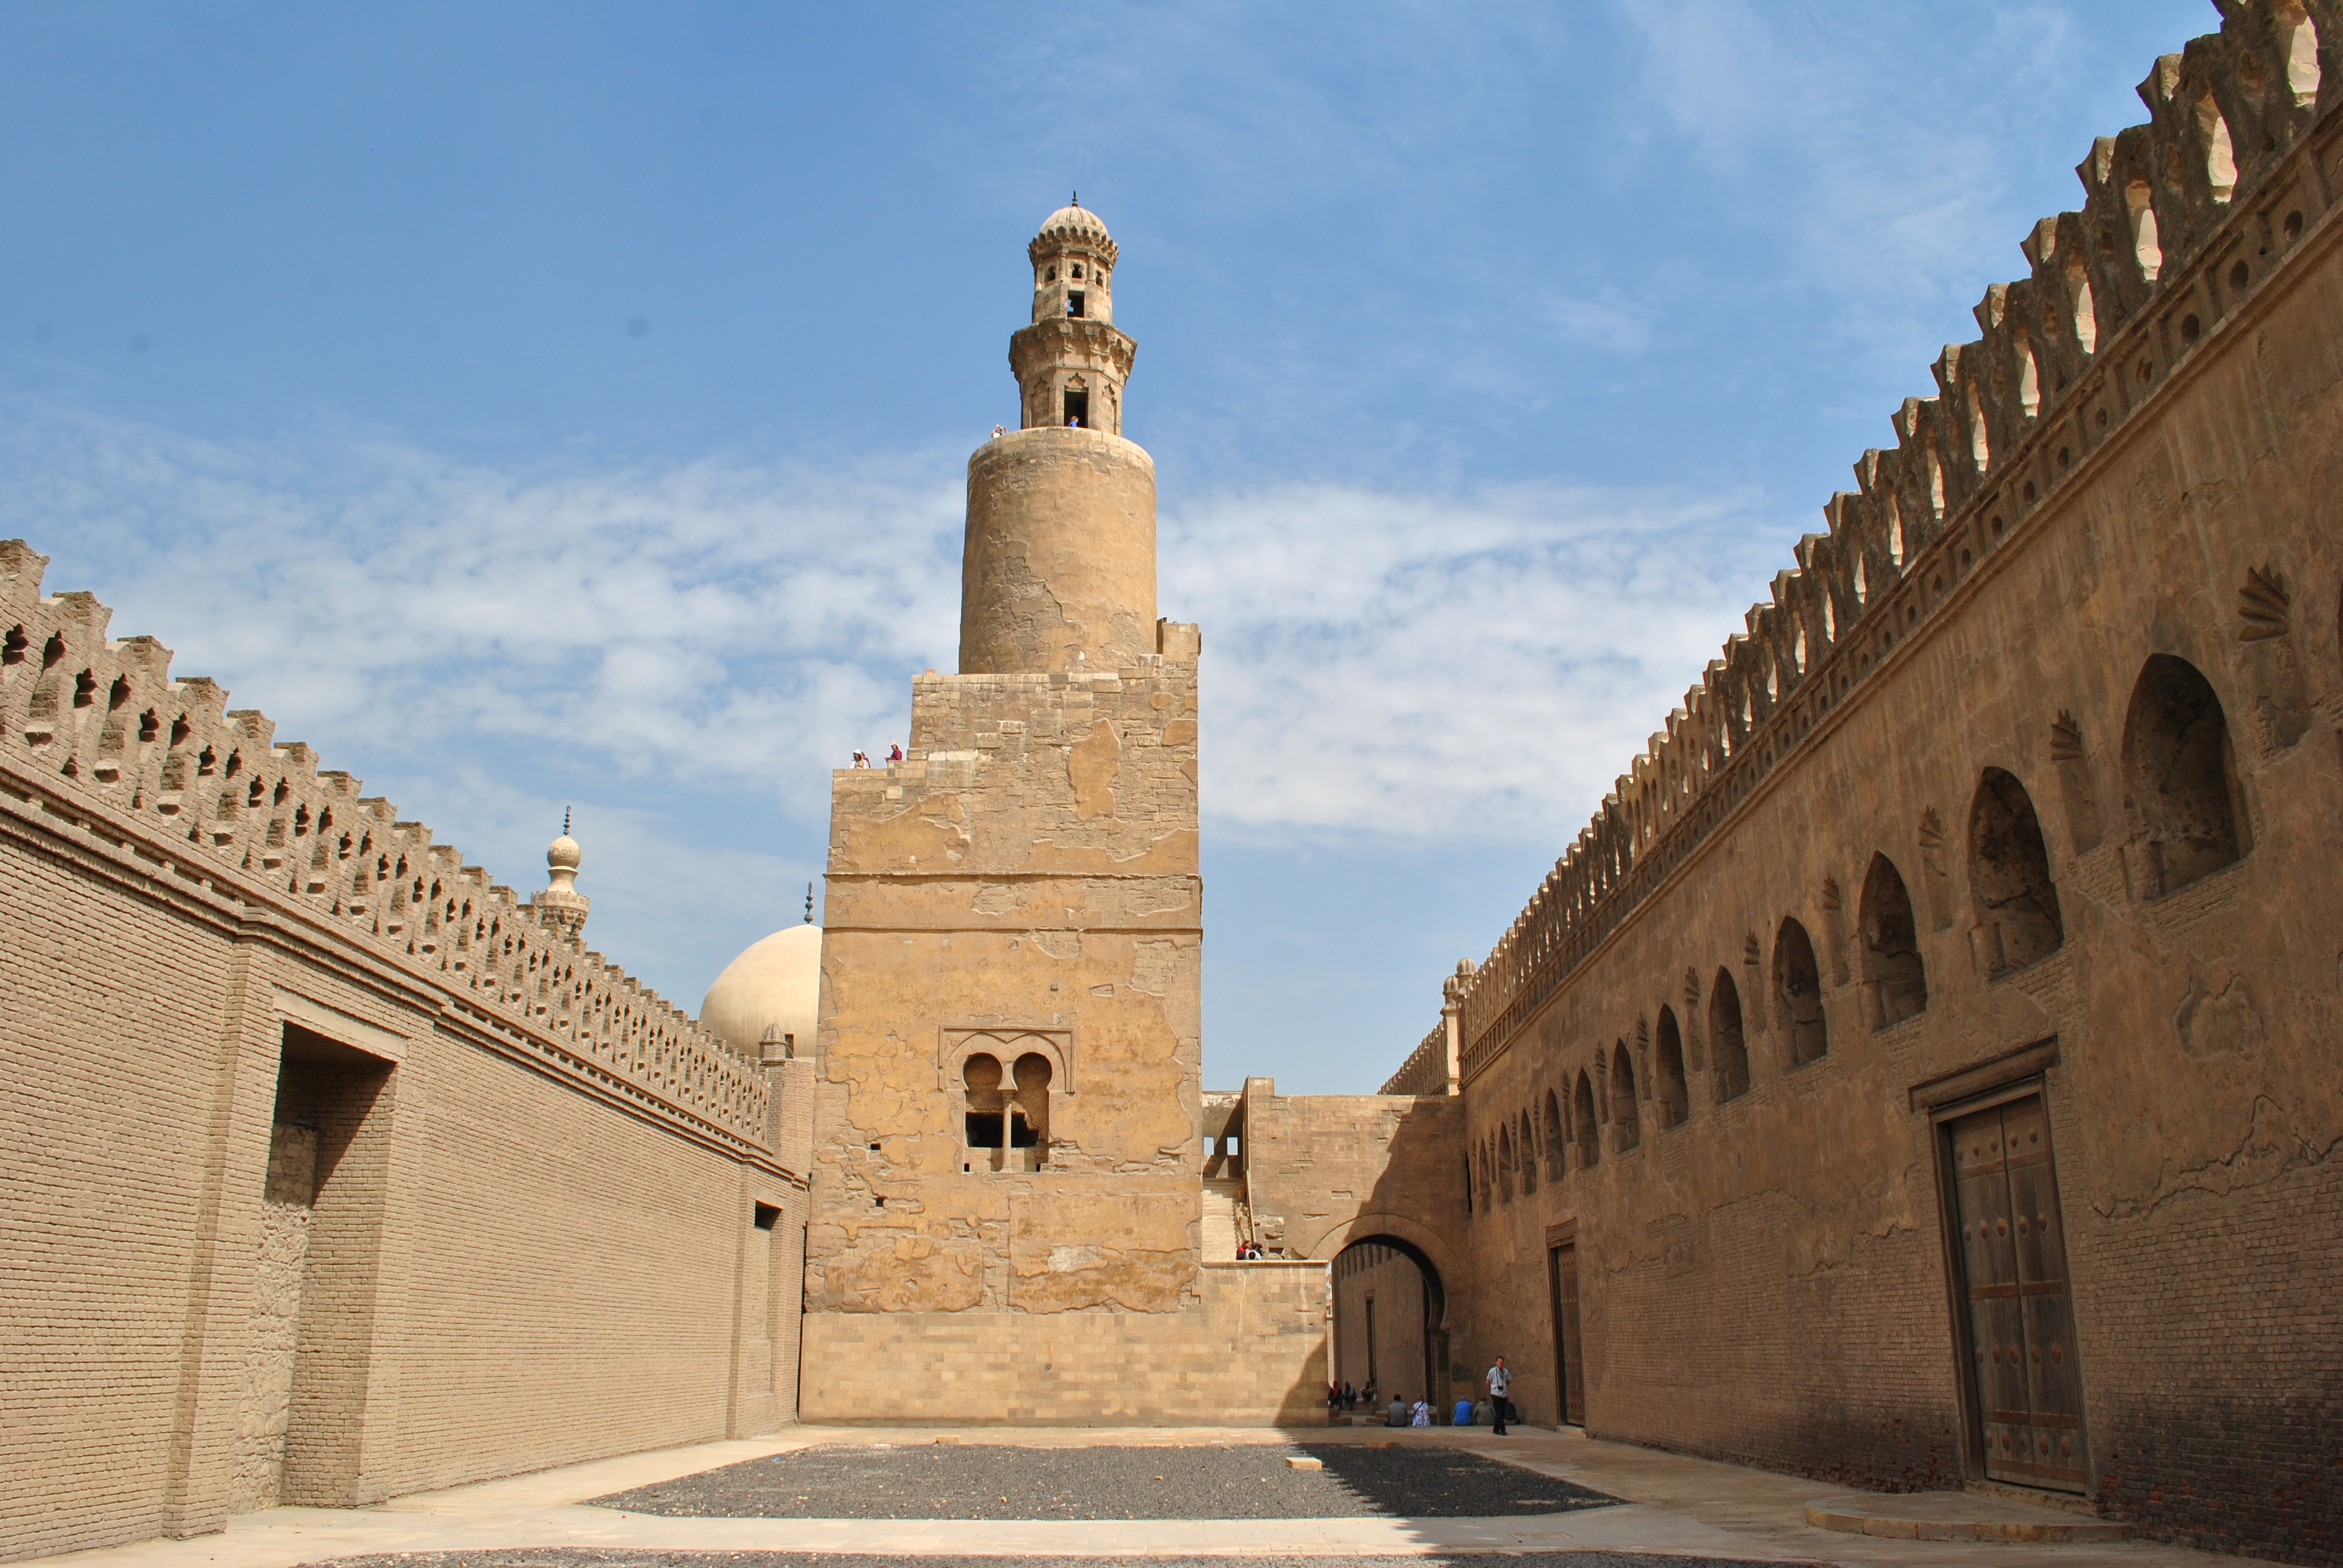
503 1263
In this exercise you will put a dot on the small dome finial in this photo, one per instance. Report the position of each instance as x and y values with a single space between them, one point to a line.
808 919
561 905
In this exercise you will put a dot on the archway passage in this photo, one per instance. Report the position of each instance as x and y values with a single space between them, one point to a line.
1391 1316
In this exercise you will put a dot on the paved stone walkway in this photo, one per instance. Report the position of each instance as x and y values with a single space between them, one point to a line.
1674 1508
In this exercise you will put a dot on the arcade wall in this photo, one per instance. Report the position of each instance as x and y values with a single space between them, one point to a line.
2025 778
332 1172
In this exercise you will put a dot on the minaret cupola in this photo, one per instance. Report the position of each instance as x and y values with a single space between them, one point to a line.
1070 363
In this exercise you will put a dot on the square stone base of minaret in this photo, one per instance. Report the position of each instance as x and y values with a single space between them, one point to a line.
1007 1168
1250 1351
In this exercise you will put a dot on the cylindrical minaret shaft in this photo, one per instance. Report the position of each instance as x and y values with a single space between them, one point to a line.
1059 571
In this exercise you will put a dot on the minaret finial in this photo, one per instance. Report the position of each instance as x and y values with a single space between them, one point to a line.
808 919
561 905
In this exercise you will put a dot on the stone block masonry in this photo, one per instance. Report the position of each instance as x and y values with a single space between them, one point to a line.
1249 1350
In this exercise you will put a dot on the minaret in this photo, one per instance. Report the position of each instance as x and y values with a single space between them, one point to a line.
561 905
1059 571
1007 1068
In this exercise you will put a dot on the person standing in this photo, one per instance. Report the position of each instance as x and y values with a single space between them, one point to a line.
1499 1381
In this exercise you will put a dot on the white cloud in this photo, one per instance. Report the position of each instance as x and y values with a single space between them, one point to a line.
1438 666
1426 665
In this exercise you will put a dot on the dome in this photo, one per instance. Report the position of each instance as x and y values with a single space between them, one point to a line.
563 854
1080 219
776 985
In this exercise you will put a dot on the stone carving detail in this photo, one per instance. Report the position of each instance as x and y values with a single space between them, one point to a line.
2223 1023
2273 666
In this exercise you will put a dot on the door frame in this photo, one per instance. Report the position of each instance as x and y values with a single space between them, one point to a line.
2031 1064
1557 1239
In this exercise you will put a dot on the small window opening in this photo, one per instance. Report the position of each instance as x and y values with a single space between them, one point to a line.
1073 302
1078 406
1078 269
766 1216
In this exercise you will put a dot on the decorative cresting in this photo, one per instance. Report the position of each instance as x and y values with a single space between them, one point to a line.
2183 220
1071 364
105 721
1058 576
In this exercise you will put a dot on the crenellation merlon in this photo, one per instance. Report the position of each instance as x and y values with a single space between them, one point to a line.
119 728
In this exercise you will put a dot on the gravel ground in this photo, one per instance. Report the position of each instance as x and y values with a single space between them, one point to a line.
580 1558
1223 1481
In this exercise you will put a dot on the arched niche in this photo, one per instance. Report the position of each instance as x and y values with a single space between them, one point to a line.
1728 1049
2180 778
1798 993
1590 1135
1895 977
2010 892
1627 1129
1668 1087
1558 1141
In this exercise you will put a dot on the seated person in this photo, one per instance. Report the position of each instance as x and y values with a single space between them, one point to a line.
1462 1415
1397 1414
1482 1414
1422 1413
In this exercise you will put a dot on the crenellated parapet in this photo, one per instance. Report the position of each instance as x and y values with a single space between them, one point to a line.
103 719
2182 219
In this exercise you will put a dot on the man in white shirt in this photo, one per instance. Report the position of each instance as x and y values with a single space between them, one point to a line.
1499 1381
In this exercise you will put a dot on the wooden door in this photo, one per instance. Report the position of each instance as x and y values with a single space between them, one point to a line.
1569 1358
2026 1383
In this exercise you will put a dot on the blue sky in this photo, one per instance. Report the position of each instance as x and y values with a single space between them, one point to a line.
531 406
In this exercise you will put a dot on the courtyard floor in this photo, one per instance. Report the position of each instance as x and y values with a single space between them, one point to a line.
816 1497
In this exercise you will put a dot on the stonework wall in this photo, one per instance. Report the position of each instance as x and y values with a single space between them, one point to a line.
1025 886
331 1173
2024 782
1249 1351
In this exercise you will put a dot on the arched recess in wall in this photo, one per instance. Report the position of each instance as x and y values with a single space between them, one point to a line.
1590 1136
1895 980
2180 778
1668 1091
2014 901
1529 1156
1729 1049
1798 993
1627 1129
1557 1142
1504 1164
